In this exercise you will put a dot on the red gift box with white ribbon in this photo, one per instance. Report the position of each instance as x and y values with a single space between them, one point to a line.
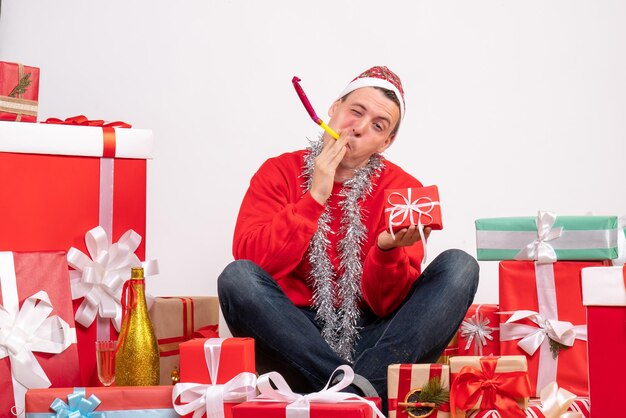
215 375
277 400
412 206
60 181
543 318
37 333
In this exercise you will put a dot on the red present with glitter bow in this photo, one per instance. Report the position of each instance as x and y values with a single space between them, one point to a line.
61 181
406 380
482 383
178 319
19 92
412 206
479 333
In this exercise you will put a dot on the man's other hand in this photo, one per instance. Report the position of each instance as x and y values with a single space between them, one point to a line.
404 237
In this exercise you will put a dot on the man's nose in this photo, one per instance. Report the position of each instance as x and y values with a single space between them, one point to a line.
358 127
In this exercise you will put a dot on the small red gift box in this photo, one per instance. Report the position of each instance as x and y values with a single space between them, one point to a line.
19 92
178 319
235 355
277 400
201 359
37 343
479 333
548 321
402 379
256 409
482 383
412 206
604 294
57 187
120 401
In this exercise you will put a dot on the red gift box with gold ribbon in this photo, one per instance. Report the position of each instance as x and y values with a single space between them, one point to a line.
178 319
62 180
19 92
402 379
38 336
543 318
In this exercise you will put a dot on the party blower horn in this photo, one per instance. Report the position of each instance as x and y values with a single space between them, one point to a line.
309 108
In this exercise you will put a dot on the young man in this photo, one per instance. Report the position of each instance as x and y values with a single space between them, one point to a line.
319 281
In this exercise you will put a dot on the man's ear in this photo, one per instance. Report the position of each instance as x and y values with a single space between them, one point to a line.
387 143
333 107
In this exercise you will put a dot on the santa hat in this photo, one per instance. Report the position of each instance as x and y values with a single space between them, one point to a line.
378 77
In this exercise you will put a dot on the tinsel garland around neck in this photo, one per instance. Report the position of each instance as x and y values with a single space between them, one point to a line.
340 329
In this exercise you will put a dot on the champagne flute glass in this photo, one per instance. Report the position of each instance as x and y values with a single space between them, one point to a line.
105 359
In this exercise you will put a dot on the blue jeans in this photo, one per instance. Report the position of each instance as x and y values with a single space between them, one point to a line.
288 340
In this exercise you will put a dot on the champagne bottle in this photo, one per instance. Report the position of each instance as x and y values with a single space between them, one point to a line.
137 359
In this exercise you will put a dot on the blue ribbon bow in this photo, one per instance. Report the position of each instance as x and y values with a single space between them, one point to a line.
77 406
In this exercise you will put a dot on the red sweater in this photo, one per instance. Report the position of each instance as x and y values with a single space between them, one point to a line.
277 221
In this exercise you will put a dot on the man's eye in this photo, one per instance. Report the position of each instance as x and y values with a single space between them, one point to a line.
378 127
356 112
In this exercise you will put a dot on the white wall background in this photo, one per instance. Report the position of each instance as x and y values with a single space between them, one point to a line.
512 106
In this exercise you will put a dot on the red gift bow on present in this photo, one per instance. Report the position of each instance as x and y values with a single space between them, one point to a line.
498 390
108 130
84 121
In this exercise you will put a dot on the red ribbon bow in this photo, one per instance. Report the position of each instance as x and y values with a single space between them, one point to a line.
83 121
108 131
498 390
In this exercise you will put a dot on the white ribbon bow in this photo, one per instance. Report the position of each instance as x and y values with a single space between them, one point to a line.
555 401
540 249
100 279
477 330
209 399
407 209
532 337
31 329
299 405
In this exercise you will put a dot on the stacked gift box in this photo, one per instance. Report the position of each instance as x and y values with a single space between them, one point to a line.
73 219
541 314
540 326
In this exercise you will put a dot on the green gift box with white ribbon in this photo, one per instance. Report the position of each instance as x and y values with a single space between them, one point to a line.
547 238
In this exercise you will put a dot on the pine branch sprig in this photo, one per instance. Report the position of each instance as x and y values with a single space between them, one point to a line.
434 392
22 85
556 347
